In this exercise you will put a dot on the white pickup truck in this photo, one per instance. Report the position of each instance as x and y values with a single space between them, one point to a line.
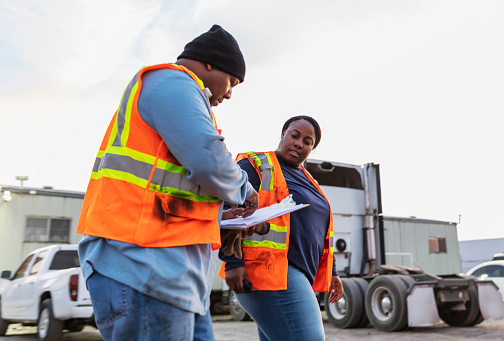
48 291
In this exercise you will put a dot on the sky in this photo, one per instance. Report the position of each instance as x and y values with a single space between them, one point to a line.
415 86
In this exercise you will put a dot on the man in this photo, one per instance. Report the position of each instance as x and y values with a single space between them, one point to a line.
151 211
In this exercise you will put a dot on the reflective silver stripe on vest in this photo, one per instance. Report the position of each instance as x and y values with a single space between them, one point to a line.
122 110
272 235
143 170
96 166
176 180
127 164
266 172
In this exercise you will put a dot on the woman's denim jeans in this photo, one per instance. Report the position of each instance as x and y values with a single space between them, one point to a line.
284 315
122 313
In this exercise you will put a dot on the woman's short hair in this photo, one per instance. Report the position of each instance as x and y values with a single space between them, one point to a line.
311 120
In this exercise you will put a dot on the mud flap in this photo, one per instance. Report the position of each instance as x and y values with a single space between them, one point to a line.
490 301
422 309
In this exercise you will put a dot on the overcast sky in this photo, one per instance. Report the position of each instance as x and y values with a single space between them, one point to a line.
415 86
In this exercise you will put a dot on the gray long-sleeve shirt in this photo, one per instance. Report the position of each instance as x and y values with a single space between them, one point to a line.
173 105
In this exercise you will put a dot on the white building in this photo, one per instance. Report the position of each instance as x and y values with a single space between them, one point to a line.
35 217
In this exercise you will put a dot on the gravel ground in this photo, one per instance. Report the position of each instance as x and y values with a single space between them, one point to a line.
225 329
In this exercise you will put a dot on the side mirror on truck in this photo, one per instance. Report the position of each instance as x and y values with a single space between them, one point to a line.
6 274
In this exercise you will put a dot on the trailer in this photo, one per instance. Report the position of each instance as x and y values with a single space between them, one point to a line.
389 296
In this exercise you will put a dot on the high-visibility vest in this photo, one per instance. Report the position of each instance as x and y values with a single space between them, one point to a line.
138 192
265 256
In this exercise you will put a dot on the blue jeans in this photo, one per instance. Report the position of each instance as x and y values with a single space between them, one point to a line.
122 313
292 314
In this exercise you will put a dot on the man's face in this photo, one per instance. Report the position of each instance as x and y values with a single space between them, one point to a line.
220 84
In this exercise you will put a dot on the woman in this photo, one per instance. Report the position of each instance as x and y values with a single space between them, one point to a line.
294 259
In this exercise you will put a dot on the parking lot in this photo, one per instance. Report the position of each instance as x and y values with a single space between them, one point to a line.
225 329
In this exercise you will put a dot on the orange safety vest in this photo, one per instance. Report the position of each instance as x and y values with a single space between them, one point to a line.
138 192
265 256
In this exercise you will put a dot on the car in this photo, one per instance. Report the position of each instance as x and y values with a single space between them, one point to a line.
490 271
47 291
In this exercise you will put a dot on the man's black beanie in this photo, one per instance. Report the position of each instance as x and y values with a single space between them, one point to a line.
218 48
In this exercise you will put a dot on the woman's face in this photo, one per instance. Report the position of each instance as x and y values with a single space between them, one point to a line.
297 142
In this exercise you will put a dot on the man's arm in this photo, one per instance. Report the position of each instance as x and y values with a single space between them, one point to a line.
173 105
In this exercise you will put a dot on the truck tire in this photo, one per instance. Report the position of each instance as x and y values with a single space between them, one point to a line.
386 303
236 310
407 280
363 284
463 318
347 312
48 327
4 324
478 320
217 308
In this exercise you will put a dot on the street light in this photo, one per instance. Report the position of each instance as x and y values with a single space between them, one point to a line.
21 178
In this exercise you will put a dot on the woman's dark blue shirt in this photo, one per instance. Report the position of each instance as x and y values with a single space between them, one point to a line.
308 226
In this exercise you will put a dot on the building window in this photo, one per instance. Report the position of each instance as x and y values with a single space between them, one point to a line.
437 245
60 230
44 230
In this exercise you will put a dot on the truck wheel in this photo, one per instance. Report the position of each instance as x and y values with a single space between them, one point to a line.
347 312
463 318
3 323
407 280
48 327
217 308
386 303
478 320
363 284
236 310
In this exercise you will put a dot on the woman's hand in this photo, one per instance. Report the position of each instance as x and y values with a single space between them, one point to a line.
235 277
336 289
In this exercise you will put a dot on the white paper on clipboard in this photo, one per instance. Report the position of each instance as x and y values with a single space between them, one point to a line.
260 215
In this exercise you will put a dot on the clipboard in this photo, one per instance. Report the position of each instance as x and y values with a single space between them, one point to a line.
259 216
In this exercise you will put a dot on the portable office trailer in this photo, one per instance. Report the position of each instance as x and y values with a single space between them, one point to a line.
431 245
31 218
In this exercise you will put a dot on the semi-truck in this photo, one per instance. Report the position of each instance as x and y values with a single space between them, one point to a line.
389 296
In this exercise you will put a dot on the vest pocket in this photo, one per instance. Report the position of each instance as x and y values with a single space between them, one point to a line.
170 205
